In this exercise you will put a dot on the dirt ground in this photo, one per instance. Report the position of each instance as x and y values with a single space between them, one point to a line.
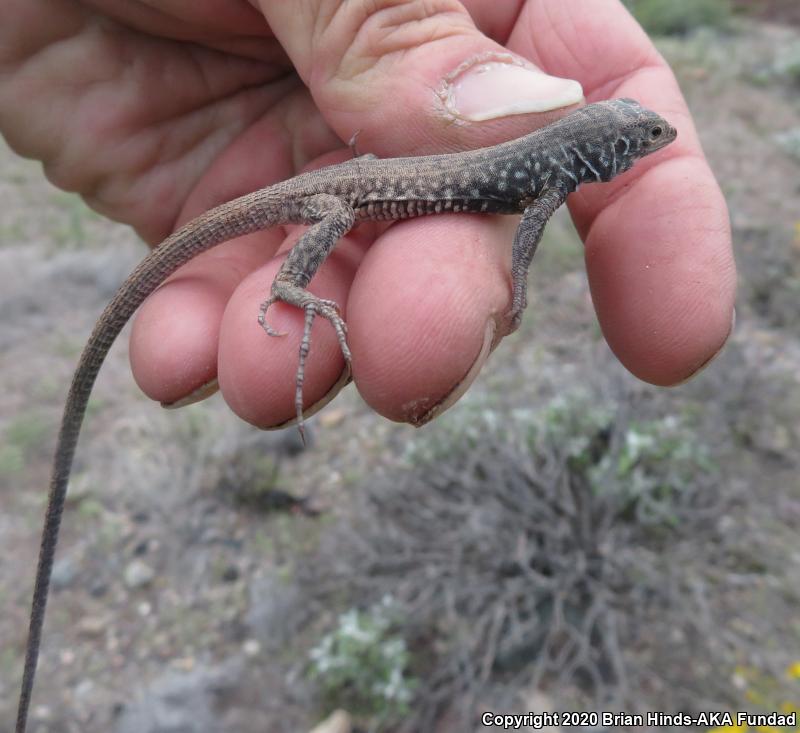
168 608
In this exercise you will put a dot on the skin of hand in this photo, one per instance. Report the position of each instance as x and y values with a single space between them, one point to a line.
155 112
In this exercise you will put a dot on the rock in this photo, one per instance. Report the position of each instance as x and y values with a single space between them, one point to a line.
92 626
179 702
138 574
251 647
276 610
98 588
65 570
338 722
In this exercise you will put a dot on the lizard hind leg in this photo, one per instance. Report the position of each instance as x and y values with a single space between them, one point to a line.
331 218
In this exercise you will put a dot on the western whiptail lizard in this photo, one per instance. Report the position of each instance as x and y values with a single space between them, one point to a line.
532 176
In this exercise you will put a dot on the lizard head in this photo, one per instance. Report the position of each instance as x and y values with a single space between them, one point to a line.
648 131
621 132
636 131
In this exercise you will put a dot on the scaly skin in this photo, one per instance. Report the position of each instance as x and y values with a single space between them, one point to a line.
532 175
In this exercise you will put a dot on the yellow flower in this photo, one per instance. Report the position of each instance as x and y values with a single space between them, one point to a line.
754 696
794 669
728 729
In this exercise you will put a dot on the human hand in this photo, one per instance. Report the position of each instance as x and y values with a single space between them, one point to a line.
153 130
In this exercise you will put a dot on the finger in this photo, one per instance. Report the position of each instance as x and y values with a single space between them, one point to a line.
175 337
658 245
256 371
428 304
419 331
415 78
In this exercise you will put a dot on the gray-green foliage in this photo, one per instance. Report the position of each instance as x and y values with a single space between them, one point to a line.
643 466
647 467
789 142
677 17
517 542
68 219
787 65
783 67
27 431
362 665
12 460
23 437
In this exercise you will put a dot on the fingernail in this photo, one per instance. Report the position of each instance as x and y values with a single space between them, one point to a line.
464 383
341 383
197 395
498 85
713 357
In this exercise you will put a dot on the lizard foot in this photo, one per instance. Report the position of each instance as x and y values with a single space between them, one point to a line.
329 310
515 319
312 307
262 317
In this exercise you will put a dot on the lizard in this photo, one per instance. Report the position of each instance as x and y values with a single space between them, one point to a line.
531 176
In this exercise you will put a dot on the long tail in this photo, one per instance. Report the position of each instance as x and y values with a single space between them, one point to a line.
244 215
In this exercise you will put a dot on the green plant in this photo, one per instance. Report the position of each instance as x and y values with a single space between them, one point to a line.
649 469
11 460
525 543
23 442
789 141
578 427
362 665
787 64
677 17
69 219
24 439
27 431
657 462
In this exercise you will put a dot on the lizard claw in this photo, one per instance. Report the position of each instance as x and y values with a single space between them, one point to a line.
262 317
329 310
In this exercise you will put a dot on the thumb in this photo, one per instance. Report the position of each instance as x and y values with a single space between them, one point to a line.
412 77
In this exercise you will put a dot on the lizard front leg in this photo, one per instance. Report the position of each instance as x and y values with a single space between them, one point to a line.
529 234
332 218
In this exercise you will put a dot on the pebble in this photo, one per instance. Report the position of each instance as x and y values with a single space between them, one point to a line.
91 626
66 657
65 570
138 574
338 722
251 647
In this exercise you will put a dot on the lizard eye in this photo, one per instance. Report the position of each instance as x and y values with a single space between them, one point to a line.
656 132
